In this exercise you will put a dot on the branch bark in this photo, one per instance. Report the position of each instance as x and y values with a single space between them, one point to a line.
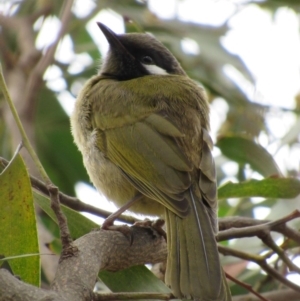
76 275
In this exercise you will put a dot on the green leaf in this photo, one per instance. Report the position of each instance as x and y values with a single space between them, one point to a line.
133 279
18 224
56 149
283 188
243 151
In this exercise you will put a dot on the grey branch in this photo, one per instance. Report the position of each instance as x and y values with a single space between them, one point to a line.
98 250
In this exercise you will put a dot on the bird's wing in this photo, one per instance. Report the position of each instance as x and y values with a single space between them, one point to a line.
149 156
140 136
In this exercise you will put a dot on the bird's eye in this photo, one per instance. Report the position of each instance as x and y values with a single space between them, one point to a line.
147 60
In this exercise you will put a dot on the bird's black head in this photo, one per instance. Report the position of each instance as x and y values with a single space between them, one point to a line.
134 55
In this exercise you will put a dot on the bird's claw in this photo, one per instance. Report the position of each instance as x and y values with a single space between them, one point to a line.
156 225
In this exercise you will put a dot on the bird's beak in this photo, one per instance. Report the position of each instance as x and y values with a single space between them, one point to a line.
113 39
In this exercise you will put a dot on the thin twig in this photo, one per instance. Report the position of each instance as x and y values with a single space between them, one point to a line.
268 241
131 296
255 230
66 240
226 223
26 255
288 232
259 260
246 286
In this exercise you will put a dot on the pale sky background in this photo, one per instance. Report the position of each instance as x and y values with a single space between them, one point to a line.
269 46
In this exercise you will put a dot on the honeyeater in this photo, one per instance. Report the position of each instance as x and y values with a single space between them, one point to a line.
142 126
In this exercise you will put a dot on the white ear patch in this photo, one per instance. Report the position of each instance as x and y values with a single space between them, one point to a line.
155 70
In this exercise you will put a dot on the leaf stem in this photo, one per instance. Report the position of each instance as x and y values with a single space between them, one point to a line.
25 139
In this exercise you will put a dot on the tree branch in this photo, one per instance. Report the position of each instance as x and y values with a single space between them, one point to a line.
237 227
65 236
98 250
131 296
259 260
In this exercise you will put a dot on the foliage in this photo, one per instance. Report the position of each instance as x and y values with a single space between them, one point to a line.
49 130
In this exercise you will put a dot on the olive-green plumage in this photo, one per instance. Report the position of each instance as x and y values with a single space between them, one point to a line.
146 133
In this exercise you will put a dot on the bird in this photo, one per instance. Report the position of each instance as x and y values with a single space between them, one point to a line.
142 126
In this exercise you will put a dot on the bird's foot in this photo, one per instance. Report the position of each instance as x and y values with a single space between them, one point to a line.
124 229
108 223
156 225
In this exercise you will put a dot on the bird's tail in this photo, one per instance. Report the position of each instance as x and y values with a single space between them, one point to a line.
193 266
